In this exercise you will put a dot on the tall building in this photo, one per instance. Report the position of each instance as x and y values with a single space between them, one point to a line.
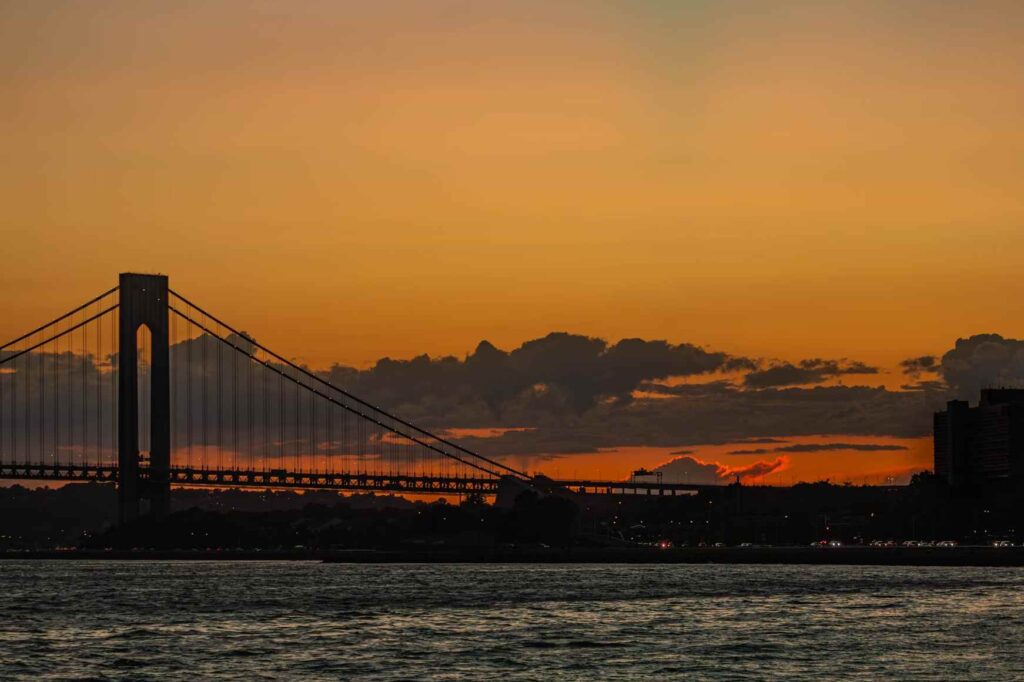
982 445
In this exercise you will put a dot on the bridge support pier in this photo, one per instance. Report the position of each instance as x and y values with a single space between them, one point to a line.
143 486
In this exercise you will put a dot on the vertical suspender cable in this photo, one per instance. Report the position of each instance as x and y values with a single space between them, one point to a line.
14 410
41 405
172 371
3 413
58 368
249 413
69 410
84 377
265 449
310 417
220 401
234 408
280 422
26 434
295 427
189 372
96 378
206 386
329 449
115 371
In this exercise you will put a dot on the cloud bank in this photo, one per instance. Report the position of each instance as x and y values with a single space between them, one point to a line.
813 371
982 361
566 393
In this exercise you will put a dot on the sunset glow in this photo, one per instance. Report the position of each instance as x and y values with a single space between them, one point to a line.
816 190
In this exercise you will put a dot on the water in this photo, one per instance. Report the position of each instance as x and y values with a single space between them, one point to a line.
147 620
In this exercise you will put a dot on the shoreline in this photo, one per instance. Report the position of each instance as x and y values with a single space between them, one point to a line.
855 556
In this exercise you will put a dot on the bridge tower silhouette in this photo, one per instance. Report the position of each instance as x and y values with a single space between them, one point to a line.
144 303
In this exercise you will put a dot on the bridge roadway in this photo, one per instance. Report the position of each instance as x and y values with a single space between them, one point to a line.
292 480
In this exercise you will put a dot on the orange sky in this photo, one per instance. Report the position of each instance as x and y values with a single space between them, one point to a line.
351 181
838 466
355 180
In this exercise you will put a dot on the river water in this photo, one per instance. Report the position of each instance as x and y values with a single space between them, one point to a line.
274 620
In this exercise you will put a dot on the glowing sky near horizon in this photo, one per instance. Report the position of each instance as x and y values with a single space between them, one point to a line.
351 180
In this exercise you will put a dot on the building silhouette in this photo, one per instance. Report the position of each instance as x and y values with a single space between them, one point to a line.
981 446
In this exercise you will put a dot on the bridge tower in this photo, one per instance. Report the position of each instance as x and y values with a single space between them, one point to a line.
143 485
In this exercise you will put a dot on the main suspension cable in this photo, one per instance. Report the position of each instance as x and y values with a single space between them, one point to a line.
345 393
295 381
60 319
59 335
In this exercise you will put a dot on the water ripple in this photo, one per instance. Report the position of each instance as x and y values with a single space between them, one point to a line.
268 620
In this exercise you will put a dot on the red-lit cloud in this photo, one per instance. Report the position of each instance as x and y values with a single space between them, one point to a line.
693 470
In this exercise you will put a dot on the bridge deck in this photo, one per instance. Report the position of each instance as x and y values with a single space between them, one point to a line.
283 479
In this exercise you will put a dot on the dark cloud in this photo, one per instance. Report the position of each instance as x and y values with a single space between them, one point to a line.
564 371
572 393
923 364
823 447
813 371
693 470
925 385
682 452
723 415
983 361
694 389
57 402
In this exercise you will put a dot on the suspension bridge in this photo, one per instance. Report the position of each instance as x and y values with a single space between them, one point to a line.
141 387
